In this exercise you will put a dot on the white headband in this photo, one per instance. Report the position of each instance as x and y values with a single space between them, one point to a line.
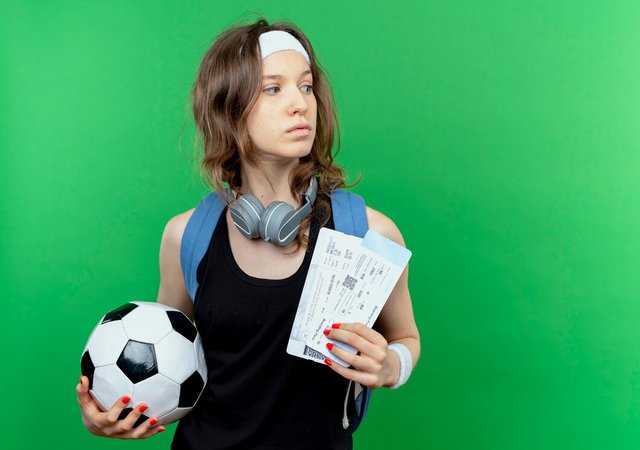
277 41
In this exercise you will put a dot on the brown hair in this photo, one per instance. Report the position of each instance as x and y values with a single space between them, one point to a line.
226 88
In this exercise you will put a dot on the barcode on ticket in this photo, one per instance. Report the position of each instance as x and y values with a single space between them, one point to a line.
349 282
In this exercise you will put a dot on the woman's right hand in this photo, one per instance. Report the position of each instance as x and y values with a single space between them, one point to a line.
107 424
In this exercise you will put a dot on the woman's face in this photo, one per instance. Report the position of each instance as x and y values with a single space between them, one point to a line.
282 123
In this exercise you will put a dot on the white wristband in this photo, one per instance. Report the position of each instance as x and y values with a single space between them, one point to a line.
406 363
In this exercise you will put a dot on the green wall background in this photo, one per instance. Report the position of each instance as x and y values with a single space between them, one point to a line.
501 136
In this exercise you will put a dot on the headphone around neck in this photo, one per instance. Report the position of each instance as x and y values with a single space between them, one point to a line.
278 223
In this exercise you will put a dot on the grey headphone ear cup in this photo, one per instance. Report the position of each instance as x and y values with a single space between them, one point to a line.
278 223
273 217
246 212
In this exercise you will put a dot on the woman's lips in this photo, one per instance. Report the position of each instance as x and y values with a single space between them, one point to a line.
299 132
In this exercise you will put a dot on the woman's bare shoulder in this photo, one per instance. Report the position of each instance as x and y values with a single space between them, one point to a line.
175 227
384 225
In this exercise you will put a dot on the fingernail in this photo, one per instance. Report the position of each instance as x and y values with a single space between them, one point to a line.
161 429
153 421
126 399
336 325
328 362
143 408
329 345
326 332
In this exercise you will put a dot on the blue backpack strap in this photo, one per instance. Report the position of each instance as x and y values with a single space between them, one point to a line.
196 238
350 217
361 396
349 213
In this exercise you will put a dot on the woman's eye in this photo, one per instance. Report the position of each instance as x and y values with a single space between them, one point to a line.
307 88
271 90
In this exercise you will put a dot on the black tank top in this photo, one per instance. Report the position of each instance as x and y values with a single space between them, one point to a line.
257 395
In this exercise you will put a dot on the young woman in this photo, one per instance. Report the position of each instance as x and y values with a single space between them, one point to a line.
264 112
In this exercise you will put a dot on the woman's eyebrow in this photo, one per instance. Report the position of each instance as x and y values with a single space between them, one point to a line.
279 77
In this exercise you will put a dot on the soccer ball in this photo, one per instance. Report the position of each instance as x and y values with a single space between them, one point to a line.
151 352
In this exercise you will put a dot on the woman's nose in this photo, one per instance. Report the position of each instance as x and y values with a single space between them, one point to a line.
298 102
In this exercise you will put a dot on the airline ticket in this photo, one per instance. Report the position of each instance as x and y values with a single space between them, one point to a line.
349 280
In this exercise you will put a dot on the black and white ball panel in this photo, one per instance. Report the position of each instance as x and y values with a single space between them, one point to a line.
138 361
182 325
190 390
165 392
109 385
148 324
106 343
119 312
200 361
87 368
176 357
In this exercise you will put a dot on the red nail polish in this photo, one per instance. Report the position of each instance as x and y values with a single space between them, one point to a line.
143 408
329 345
161 429
326 332
328 362
126 399
336 325
153 421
